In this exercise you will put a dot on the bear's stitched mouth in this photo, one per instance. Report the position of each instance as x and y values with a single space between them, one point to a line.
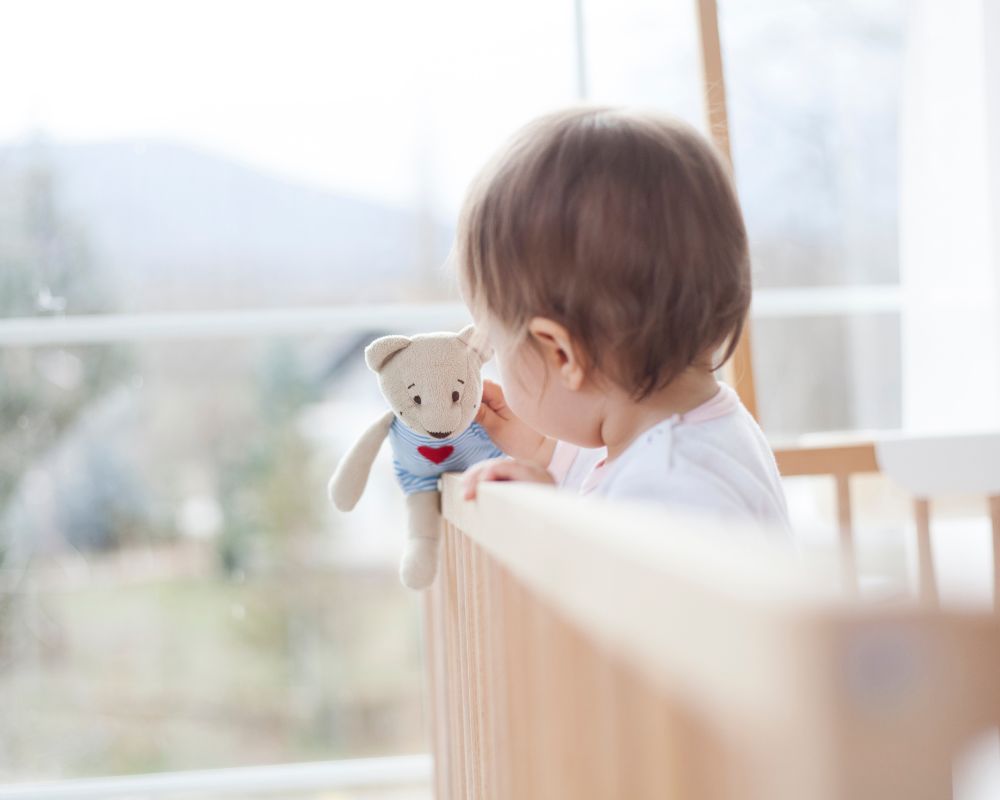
440 435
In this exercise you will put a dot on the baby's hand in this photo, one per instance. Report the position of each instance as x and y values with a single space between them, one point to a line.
503 469
511 435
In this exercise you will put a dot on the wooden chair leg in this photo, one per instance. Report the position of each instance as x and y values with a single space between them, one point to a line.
995 519
845 524
926 580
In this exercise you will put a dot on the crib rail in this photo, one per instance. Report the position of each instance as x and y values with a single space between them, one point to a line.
574 650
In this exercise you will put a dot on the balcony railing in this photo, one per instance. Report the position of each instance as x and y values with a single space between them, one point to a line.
285 780
579 648
151 326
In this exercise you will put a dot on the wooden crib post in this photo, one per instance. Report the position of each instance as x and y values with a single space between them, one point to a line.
926 580
739 371
994 502
845 524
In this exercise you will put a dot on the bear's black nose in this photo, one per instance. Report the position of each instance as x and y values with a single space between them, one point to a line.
440 435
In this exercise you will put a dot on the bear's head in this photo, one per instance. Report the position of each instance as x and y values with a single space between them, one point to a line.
431 381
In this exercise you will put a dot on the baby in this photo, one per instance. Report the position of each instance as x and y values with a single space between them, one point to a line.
603 254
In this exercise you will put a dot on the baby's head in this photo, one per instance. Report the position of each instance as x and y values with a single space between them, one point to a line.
604 254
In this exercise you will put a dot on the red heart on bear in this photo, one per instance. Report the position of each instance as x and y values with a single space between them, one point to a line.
436 454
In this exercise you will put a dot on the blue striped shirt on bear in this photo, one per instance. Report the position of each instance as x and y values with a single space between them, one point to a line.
419 460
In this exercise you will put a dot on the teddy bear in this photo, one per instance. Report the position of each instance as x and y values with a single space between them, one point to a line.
433 384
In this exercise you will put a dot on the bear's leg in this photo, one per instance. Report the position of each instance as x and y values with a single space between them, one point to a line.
419 563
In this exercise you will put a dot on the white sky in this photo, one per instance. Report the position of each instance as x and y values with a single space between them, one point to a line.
392 100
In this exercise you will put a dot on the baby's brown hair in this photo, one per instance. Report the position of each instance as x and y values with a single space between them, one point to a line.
622 226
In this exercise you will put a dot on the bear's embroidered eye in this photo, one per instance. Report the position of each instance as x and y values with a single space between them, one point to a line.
454 397
416 399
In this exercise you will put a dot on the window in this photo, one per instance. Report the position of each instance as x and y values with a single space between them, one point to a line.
207 210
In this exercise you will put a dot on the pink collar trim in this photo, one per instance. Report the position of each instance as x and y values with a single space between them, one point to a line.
725 401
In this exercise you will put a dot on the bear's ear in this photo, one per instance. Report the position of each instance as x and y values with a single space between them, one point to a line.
476 341
381 350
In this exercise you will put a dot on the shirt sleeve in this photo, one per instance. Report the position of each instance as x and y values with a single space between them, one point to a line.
562 460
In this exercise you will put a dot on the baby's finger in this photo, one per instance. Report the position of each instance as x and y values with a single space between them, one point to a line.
499 471
485 414
503 469
492 408
470 488
492 391
476 473
470 478
511 470
493 396
490 420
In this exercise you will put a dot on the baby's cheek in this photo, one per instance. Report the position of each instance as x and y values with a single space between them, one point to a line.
500 360
522 391
512 389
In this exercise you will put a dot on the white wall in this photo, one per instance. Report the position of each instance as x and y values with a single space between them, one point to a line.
949 204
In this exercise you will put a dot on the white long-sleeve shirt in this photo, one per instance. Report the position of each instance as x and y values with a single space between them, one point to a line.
713 458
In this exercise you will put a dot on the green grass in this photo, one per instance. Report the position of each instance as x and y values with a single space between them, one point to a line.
199 673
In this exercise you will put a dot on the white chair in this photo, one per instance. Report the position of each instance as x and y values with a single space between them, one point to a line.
932 466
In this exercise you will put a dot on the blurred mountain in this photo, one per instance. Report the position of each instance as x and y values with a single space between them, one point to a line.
176 227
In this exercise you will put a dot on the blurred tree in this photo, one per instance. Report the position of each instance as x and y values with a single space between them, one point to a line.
46 268
267 496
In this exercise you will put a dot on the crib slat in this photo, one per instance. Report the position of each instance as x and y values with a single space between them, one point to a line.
926 580
845 524
459 783
994 503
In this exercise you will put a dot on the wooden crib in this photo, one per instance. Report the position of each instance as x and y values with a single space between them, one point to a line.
579 649
582 649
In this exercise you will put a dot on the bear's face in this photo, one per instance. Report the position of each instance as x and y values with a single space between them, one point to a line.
432 381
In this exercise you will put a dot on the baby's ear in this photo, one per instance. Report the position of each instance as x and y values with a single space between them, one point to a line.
475 340
381 350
